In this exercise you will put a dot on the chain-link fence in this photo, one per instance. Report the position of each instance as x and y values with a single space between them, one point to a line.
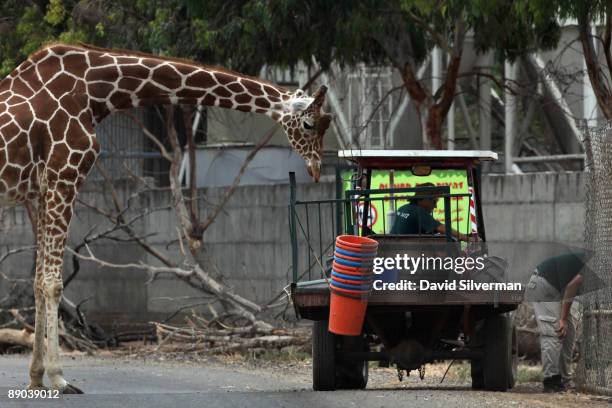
595 367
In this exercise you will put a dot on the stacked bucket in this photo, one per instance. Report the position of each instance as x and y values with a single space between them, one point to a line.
350 284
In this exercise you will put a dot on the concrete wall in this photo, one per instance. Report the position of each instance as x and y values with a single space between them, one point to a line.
249 241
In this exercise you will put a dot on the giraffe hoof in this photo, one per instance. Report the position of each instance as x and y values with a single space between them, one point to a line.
71 389
37 387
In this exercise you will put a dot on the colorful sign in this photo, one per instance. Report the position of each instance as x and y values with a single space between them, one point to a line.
382 214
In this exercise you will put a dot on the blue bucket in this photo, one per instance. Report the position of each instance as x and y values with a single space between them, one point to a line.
351 263
351 277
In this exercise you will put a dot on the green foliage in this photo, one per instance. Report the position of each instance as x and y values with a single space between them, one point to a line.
246 34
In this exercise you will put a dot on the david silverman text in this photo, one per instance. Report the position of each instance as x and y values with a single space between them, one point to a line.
465 284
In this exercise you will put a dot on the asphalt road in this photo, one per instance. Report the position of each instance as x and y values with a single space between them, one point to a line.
112 382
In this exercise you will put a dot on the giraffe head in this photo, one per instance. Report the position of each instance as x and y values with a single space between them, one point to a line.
305 125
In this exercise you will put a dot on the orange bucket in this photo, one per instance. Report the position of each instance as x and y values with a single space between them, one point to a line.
346 314
356 243
353 258
351 270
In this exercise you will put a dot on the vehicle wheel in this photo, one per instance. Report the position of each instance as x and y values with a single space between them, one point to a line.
476 365
497 361
513 372
323 357
353 374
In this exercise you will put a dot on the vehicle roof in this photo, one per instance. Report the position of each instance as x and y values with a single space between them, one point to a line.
403 158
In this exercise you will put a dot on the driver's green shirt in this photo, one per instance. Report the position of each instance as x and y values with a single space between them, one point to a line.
413 219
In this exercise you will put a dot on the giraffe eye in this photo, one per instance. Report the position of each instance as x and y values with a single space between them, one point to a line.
308 126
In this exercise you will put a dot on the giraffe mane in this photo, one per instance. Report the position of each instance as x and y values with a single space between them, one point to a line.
126 52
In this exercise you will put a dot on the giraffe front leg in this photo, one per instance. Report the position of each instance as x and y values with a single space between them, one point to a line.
58 214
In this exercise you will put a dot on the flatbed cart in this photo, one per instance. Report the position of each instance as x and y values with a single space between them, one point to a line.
404 328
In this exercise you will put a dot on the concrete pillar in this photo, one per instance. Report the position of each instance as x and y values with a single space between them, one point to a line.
511 102
484 102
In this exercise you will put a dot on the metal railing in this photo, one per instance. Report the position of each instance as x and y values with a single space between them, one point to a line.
314 224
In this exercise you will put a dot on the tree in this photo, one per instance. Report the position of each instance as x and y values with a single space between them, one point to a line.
586 13
396 32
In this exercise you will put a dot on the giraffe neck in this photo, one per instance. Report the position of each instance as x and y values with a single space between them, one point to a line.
117 80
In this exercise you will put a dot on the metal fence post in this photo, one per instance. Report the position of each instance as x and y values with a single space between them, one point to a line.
292 228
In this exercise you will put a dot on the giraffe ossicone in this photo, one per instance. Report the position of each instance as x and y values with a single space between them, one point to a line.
49 107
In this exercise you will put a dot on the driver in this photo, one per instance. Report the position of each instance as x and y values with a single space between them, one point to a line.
416 216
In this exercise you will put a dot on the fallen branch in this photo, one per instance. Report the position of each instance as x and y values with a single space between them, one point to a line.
16 337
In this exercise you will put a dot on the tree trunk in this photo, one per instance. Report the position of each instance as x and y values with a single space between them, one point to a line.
598 80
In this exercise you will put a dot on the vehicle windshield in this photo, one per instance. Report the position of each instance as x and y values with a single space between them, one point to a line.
384 206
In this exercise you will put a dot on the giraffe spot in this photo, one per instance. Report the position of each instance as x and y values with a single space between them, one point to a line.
76 139
224 78
10 131
45 105
75 158
236 87
29 76
253 87
149 90
209 100
11 175
166 76
260 110
76 64
243 98
97 58
108 74
120 100
2 161
57 124
19 87
71 105
201 79
127 60
61 84
184 69
129 84
225 103
222 92
85 117
262 103
99 110
100 89
271 91
57 159
87 162
48 68
189 93
134 71
15 99
68 174
18 151
149 62
243 108
24 117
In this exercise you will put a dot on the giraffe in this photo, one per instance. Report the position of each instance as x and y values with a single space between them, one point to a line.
49 108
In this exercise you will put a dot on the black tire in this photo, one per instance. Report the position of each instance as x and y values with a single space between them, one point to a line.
513 372
497 361
353 374
323 357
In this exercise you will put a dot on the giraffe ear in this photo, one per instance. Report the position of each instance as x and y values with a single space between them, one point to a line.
319 96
